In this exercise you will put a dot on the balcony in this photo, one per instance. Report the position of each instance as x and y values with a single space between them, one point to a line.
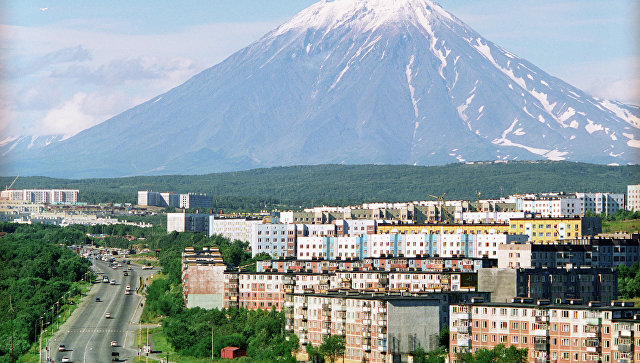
325 331
288 304
382 310
593 357
464 329
541 333
542 319
382 322
366 309
593 349
594 321
303 341
463 342
304 306
382 345
461 316
326 307
366 348
341 307
625 333
541 346
366 322
625 348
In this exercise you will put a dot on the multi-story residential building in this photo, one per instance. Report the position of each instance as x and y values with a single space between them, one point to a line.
203 283
435 264
633 197
192 200
558 205
592 251
149 198
233 228
188 222
489 228
378 327
488 217
587 283
549 230
601 203
551 332
270 238
42 196
409 245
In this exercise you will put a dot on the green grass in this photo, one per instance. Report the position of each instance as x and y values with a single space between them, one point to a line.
160 343
628 226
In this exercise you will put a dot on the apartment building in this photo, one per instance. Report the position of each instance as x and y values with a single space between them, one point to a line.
601 203
193 200
269 238
591 251
42 196
378 327
587 283
203 278
233 228
549 230
633 197
378 264
188 222
551 332
409 245
441 228
487 217
558 205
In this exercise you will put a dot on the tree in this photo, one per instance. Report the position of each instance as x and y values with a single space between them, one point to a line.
499 354
314 354
332 347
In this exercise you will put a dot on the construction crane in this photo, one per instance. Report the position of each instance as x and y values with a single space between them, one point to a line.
13 182
443 211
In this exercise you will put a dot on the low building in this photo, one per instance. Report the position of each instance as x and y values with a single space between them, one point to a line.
569 332
587 283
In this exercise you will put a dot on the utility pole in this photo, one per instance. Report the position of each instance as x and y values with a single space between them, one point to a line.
11 313
40 350
148 349
212 341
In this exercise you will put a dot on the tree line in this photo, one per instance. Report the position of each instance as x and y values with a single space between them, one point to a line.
303 186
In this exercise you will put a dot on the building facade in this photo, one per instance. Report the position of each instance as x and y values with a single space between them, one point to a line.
633 197
569 332
42 196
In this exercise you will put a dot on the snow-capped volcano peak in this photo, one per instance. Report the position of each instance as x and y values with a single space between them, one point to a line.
365 15
359 82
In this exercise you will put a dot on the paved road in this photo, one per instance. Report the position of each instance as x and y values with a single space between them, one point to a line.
88 334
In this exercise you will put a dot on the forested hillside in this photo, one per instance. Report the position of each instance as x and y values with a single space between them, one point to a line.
343 184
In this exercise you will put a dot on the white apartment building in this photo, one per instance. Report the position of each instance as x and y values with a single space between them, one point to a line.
187 222
487 217
407 245
232 228
192 200
602 203
42 196
269 238
633 197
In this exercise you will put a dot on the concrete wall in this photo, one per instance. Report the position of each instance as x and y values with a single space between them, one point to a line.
502 283
205 301
412 323
205 286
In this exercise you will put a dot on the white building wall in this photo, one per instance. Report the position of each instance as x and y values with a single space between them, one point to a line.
633 197
269 238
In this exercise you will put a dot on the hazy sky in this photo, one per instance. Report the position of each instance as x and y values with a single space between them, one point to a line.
68 65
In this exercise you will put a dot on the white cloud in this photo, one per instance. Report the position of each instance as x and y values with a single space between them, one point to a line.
67 119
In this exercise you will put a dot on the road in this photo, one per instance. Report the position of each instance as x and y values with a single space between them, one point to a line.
88 334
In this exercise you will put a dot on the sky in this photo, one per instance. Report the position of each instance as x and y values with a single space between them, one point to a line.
69 65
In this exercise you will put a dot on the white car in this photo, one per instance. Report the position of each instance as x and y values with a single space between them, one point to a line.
107 315
114 343
65 360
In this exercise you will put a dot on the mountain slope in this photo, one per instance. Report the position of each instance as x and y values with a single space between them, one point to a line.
353 81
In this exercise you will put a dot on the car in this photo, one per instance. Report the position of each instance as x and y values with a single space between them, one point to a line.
62 348
98 299
65 360
126 273
113 282
107 315
114 343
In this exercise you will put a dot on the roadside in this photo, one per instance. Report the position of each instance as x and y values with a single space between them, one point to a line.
60 323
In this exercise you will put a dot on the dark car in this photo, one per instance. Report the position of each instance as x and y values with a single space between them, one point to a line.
98 299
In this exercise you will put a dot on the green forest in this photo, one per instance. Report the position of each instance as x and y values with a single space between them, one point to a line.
629 281
300 186
35 272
